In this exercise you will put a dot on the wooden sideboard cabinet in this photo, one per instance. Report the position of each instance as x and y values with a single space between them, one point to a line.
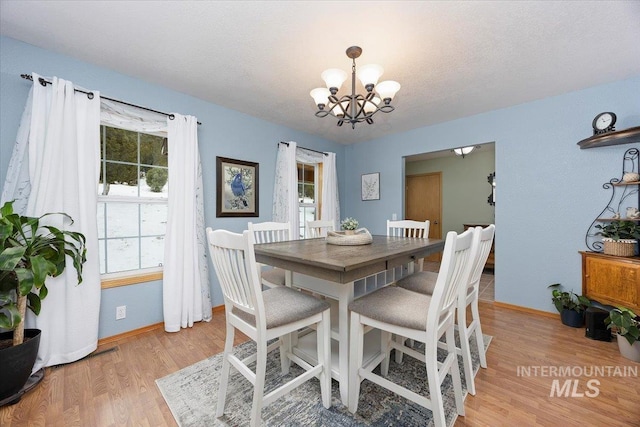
611 279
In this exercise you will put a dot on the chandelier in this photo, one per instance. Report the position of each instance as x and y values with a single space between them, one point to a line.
354 108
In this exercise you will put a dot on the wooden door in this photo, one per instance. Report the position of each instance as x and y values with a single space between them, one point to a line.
423 200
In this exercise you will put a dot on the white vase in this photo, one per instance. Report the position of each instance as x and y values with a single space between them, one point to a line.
631 352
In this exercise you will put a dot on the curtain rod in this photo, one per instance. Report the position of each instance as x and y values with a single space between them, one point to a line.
304 148
44 82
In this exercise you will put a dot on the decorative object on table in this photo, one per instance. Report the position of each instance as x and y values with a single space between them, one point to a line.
604 122
349 224
631 177
354 108
623 194
357 237
619 237
191 392
627 326
236 188
570 306
371 186
30 254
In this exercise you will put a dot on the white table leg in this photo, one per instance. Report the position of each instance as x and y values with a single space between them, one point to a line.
343 320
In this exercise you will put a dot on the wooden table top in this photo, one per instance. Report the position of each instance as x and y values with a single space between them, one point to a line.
344 264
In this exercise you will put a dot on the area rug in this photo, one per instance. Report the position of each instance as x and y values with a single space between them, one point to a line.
192 394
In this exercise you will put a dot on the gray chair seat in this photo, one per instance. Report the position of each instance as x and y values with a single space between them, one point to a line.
284 305
395 306
274 276
423 282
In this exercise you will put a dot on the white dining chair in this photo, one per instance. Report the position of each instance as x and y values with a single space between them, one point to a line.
425 282
422 318
409 228
270 232
263 316
319 228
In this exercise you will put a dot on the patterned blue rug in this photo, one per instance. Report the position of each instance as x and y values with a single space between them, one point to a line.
191 394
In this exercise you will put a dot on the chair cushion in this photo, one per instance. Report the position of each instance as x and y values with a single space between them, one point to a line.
423 282
274 276
283 305
396 306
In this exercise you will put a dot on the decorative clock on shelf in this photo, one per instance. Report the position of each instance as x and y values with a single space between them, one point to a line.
603 123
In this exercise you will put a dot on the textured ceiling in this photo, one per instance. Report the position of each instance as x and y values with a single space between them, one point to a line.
453 59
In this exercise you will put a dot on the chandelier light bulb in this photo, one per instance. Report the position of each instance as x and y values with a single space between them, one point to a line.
369 75
334 77
321 96
387 89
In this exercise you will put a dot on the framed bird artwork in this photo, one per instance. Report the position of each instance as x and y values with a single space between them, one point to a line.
236 188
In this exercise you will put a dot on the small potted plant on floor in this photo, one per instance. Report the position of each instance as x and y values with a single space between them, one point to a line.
29 254
570 306
627 327
619 237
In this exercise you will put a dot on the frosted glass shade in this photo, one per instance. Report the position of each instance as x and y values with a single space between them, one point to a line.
369 74
320 95
387 89
371 106
337 111
463 150
334 77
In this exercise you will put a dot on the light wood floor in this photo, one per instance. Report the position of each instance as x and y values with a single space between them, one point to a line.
117 388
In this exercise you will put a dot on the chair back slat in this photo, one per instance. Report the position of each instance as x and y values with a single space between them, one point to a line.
319 228
408 228
270 232
234 261
486 241
455 269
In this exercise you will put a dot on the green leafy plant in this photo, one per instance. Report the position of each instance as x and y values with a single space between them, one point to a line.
30 254
625 322
620 230
157 178
349 223
564 300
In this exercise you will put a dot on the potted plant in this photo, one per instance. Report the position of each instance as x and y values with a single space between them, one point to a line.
29 254
349 225
627 327
620 237
570 306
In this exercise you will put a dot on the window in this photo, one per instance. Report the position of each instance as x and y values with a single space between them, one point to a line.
132 200
307 195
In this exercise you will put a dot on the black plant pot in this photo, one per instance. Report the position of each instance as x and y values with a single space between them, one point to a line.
16 363
572 318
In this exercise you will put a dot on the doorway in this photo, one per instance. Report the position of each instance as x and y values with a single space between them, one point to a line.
423 200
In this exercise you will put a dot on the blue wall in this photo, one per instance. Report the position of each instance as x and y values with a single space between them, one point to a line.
223 132
548 190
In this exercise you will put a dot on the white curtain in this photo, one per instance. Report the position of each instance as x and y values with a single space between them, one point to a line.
285 193
330 200
185 288
185 300
58 144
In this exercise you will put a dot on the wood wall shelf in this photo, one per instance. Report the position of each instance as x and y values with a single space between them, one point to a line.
626 136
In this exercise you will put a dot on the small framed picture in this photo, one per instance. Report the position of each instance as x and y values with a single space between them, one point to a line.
236 188
371 186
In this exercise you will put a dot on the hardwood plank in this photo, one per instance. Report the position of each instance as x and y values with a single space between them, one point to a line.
118 387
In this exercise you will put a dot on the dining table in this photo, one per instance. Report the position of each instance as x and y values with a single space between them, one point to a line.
343 273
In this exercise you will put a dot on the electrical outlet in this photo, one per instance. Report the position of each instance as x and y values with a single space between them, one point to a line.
394 217
121 312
